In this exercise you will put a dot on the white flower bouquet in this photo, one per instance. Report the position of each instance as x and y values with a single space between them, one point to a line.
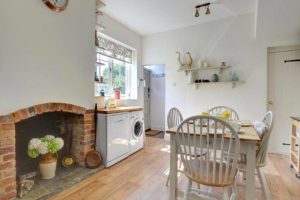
44 145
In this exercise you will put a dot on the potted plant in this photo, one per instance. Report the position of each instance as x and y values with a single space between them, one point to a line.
47 147
117 92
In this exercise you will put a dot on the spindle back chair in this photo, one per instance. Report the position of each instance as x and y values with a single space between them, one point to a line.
201 134
221 109
174 118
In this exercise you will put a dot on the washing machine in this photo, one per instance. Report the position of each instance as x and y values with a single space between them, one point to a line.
136 131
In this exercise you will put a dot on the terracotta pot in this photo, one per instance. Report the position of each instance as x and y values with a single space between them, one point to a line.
117 94
48 165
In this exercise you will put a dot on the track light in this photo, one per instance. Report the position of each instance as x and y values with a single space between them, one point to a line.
197 13
206 5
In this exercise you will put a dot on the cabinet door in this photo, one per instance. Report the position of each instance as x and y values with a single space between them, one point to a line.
117 136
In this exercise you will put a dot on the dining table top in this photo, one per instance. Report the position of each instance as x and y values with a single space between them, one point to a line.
246 133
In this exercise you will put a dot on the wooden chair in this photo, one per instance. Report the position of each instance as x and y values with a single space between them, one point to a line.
211 170
233 116
220 109
174 119
261 154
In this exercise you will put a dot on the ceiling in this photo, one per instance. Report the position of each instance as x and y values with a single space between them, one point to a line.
278 18
153 16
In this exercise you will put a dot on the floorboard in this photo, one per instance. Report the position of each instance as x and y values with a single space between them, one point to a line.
142 176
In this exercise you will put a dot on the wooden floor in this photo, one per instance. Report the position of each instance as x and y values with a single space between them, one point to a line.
152 132
142 176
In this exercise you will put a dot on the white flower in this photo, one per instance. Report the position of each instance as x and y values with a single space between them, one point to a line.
34 143
60 142
43 148
49 137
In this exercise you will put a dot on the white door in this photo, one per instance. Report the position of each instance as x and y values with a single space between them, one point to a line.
157 100
147 90
283 95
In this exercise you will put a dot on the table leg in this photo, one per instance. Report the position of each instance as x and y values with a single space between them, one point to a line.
251 162
173 169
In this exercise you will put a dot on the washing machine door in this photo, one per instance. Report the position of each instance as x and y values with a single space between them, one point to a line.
138 128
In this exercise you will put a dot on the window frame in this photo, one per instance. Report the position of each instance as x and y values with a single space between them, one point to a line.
110 62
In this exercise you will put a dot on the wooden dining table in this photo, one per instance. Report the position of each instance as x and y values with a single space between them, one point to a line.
248 145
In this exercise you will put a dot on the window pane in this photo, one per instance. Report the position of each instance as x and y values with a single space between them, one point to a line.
106 77
120 76
112 74
103 74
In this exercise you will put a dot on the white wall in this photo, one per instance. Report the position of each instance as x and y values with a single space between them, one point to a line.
123 34
231 40
46 56
157 97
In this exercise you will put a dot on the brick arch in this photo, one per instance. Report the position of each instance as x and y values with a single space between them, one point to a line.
45 108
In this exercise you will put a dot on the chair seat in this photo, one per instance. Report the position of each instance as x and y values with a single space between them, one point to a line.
196 174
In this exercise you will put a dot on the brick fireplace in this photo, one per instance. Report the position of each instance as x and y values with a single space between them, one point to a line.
84 139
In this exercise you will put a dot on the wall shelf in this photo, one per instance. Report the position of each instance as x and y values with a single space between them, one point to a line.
233 83
220 68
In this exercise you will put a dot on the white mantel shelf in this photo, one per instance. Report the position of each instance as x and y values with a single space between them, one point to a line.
233 83
220 68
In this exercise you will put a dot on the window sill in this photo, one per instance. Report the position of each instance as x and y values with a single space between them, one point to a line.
122 98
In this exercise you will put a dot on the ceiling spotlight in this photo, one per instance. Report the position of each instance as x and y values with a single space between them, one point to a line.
197 13
207 10
198 7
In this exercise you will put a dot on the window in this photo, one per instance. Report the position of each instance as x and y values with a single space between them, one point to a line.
112 74
115 70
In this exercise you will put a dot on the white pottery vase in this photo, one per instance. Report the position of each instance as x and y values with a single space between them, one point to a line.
48 166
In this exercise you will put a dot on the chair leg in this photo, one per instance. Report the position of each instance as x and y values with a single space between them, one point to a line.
187 190
225 194
180 164
238 175
168 180
244 175
199 188
244 159
263 183
234 194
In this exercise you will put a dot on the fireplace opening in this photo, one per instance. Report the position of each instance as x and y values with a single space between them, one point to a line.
58 124
58 119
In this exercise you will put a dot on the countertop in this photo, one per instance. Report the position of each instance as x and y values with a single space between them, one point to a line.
119 109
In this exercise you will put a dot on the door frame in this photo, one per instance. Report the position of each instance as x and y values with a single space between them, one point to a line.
165 72
145 69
